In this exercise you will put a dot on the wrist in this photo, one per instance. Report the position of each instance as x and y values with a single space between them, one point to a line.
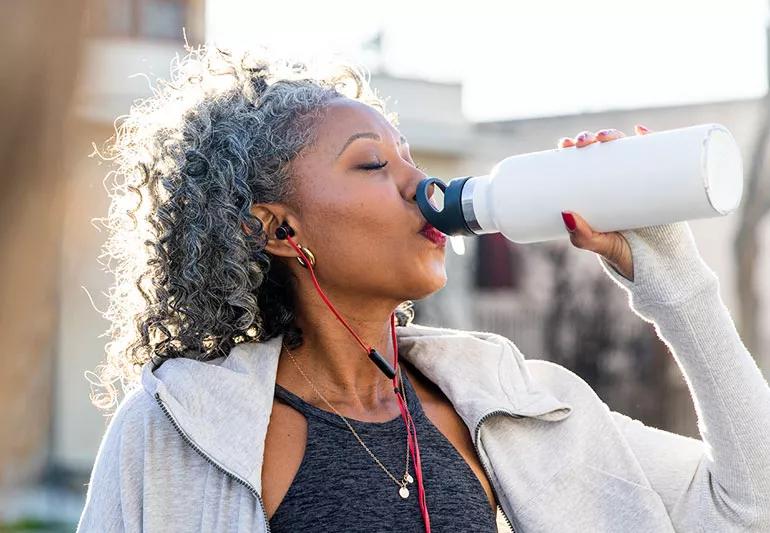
667 265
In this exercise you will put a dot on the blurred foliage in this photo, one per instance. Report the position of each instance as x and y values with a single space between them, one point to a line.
31 524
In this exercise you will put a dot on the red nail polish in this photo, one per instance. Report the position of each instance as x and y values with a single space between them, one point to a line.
569 220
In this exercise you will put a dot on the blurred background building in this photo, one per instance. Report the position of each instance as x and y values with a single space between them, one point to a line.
552 300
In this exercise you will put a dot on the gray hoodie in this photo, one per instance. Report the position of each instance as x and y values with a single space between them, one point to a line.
184 451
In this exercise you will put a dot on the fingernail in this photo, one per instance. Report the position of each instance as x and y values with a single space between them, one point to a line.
569 221
603 132
643 128
581 138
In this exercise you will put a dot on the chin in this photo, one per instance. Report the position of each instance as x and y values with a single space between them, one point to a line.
435 285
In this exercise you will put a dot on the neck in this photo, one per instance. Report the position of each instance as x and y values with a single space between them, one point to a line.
335 361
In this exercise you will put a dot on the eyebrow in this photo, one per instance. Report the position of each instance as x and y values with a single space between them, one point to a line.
367 135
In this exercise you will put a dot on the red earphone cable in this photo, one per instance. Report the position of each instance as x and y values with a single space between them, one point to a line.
411 434
411 430
325 299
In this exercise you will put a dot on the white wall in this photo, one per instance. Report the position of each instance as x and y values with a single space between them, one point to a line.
105 91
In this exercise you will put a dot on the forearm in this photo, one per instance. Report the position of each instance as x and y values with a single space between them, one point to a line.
730 395
676 291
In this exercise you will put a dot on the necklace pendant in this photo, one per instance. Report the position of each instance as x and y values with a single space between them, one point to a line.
403 492
408 478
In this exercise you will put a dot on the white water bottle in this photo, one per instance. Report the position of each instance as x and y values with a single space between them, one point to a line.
631 182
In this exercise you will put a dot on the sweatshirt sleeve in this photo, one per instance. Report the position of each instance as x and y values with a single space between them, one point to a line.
114 495
721 482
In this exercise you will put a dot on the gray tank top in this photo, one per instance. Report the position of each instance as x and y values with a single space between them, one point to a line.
339 487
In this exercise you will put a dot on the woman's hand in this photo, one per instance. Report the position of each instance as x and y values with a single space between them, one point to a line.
611 245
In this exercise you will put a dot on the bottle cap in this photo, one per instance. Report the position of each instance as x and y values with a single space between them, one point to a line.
443 209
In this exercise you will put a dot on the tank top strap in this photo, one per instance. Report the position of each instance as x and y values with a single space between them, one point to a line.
330 417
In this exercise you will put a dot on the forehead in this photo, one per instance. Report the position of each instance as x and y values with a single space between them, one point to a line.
344 117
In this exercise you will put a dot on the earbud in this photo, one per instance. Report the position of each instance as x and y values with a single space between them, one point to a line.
283 231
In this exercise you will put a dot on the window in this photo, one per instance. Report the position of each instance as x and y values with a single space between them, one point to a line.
499 262
150 19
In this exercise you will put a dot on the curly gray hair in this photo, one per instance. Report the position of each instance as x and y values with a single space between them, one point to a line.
190 161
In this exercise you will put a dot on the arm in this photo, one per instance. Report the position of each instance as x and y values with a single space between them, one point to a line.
114 498
721 483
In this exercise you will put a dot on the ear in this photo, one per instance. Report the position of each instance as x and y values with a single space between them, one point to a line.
272 215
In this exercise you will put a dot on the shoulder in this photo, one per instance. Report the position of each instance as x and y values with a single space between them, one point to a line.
564 384
125 436
137 431
136 416
137 406
553 374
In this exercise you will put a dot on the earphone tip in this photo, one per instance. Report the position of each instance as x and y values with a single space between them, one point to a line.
283 231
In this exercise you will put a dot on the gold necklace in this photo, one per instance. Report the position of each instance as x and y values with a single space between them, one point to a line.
402 491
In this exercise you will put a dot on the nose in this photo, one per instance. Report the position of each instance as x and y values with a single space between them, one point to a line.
414 184
430 192
411 188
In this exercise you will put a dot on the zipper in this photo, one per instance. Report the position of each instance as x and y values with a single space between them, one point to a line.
481 460
211 461
502 512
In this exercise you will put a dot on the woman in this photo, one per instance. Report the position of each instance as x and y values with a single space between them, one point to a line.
257 411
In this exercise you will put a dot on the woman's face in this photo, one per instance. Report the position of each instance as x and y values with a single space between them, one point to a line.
357 216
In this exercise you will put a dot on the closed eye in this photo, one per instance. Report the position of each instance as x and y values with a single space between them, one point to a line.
377 167
373 167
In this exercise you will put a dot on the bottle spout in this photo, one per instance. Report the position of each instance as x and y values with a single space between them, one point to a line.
443 207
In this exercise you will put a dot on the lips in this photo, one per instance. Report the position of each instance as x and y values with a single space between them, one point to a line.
433 234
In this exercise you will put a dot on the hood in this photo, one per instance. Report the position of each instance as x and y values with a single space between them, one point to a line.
223 406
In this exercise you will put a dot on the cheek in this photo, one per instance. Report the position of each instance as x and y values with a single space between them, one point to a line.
376 254
361 216
370 229
377 243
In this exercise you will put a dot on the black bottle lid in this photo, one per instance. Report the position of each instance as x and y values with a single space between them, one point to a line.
444 210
